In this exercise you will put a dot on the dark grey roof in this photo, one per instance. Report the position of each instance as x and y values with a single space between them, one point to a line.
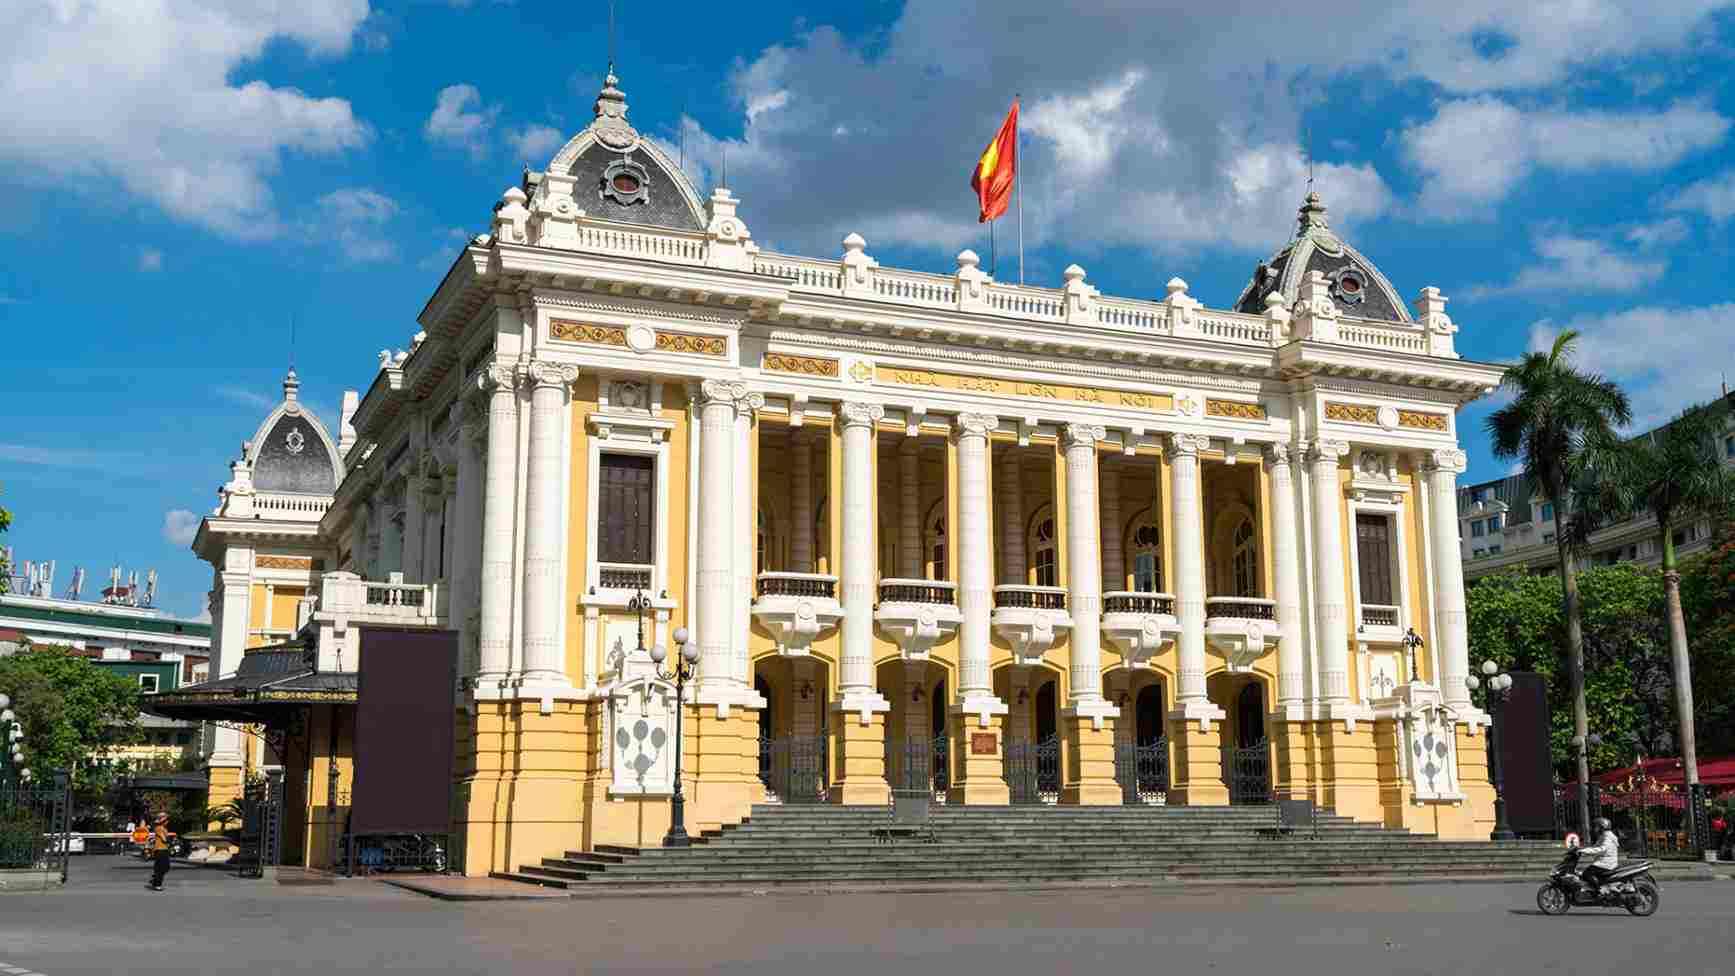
663 204
1316 248
294 458
1514 490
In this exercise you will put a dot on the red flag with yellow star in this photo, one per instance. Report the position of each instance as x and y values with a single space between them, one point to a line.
997 170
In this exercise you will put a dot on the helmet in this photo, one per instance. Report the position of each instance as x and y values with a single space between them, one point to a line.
1604 823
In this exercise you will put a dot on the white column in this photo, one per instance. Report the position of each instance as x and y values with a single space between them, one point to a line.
392 531
909 512
1452 643
544 659
358 544
1010 485
1114 563
1329 593
236 594
499 511
1189 572
466 546
858 579
1286 573
715 560
800 502
746 548
413 560
1084 566
975 567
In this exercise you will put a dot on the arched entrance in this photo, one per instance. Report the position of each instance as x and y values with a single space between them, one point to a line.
1148 714
1249 770
792 742
1142 765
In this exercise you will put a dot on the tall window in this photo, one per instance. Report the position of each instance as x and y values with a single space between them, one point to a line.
1147 559
1373 541
1246 564
626 508
1047 571
937 548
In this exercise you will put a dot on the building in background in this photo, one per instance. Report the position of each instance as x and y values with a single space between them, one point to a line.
1505 526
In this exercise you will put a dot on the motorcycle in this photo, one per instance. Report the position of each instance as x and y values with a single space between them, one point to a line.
1631 886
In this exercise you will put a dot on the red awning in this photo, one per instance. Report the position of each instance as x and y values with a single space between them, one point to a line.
1666 775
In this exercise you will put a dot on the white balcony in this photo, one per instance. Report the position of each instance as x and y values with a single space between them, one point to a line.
1139 624
1031 618
1379 624
796 608
1240 628
918 613
391 602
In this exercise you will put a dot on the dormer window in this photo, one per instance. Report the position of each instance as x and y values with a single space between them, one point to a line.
1348 286
626 182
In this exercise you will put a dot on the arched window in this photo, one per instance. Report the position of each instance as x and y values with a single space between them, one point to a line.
1246 563
1145 547
936 541
1041 546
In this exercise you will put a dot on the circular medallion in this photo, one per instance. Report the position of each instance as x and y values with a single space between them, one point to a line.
1388 417
640 338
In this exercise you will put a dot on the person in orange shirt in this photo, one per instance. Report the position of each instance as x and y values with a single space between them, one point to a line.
159 845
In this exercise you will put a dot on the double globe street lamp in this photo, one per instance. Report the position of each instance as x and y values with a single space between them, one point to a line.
681 672
11 742
1497 688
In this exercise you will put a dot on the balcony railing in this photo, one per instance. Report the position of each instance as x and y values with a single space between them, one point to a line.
624 576
941 592
388 601
798 584
397 595
1029 598
1131 602
1378 615
1240 608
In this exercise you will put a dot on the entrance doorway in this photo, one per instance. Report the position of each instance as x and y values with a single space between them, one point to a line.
1250 769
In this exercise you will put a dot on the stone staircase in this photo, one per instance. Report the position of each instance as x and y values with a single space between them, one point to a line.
795 847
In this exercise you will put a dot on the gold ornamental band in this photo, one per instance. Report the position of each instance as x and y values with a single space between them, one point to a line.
904 376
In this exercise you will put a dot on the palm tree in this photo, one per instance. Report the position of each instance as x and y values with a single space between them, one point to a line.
1559 424
1675 475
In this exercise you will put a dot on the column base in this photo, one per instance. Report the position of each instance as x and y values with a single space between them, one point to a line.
523 798
1348 752
1088 765
225 784
979 776
722 765
858 751
1196 777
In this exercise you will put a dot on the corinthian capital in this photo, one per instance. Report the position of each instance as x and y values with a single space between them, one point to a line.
1082 435
540 372
858 414
977 424
1188 445
1446 459
1327 451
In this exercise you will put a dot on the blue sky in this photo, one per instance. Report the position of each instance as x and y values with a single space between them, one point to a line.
187 182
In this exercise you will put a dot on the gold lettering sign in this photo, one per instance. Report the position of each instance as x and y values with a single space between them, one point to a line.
1421 420
1355 413
806 365
683 342
569 331
907 376
1234 409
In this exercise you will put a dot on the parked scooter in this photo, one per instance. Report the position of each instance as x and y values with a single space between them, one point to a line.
1631 887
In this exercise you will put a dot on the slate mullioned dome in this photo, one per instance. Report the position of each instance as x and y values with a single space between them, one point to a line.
292 452
1358 288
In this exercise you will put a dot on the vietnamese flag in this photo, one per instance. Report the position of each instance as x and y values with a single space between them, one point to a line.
997 169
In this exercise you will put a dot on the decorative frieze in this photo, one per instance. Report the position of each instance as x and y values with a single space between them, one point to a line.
283 562
702 345
963 382
805 365
1234 409
1352 413
565 330
1420 420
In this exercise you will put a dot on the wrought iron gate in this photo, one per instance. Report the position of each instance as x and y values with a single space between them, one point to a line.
1142 771
1250 778
920 764
35 826
794 768
1033 770
942 767
261 826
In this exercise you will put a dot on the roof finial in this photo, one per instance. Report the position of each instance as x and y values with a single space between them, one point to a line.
1312 213
291 386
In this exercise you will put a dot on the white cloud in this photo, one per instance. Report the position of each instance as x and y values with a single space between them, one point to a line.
446 251
1686 352
460 119
150 259
1572 265
354 216
1671 230
1474 151
1713 197
534 144
54 457
179 527
141 96
203 616
359 204
246 398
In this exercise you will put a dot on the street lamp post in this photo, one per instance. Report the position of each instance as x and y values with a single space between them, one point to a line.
1498 689
1413 646
11 743
681 671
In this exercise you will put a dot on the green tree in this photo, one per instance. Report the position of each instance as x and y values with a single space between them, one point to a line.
1675 475
71 711
1517 620
1708 600
1558 424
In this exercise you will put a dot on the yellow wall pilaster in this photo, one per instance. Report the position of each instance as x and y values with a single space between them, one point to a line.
1087 765
858 756
978 777
1196 775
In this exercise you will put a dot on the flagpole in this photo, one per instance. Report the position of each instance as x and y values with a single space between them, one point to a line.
992 259
1018 188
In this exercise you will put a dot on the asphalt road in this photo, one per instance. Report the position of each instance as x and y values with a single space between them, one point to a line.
105 922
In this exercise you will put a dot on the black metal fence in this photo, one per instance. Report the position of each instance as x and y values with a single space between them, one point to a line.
920 764
794 768
1033 770
1250 774
1142 771
1651 819
35 827
381 853
261 840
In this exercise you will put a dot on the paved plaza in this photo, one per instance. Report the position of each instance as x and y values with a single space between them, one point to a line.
105 922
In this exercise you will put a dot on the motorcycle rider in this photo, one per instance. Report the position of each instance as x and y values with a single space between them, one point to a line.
1607 852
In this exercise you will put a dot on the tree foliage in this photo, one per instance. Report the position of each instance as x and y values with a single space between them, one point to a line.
71 711
1708 600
